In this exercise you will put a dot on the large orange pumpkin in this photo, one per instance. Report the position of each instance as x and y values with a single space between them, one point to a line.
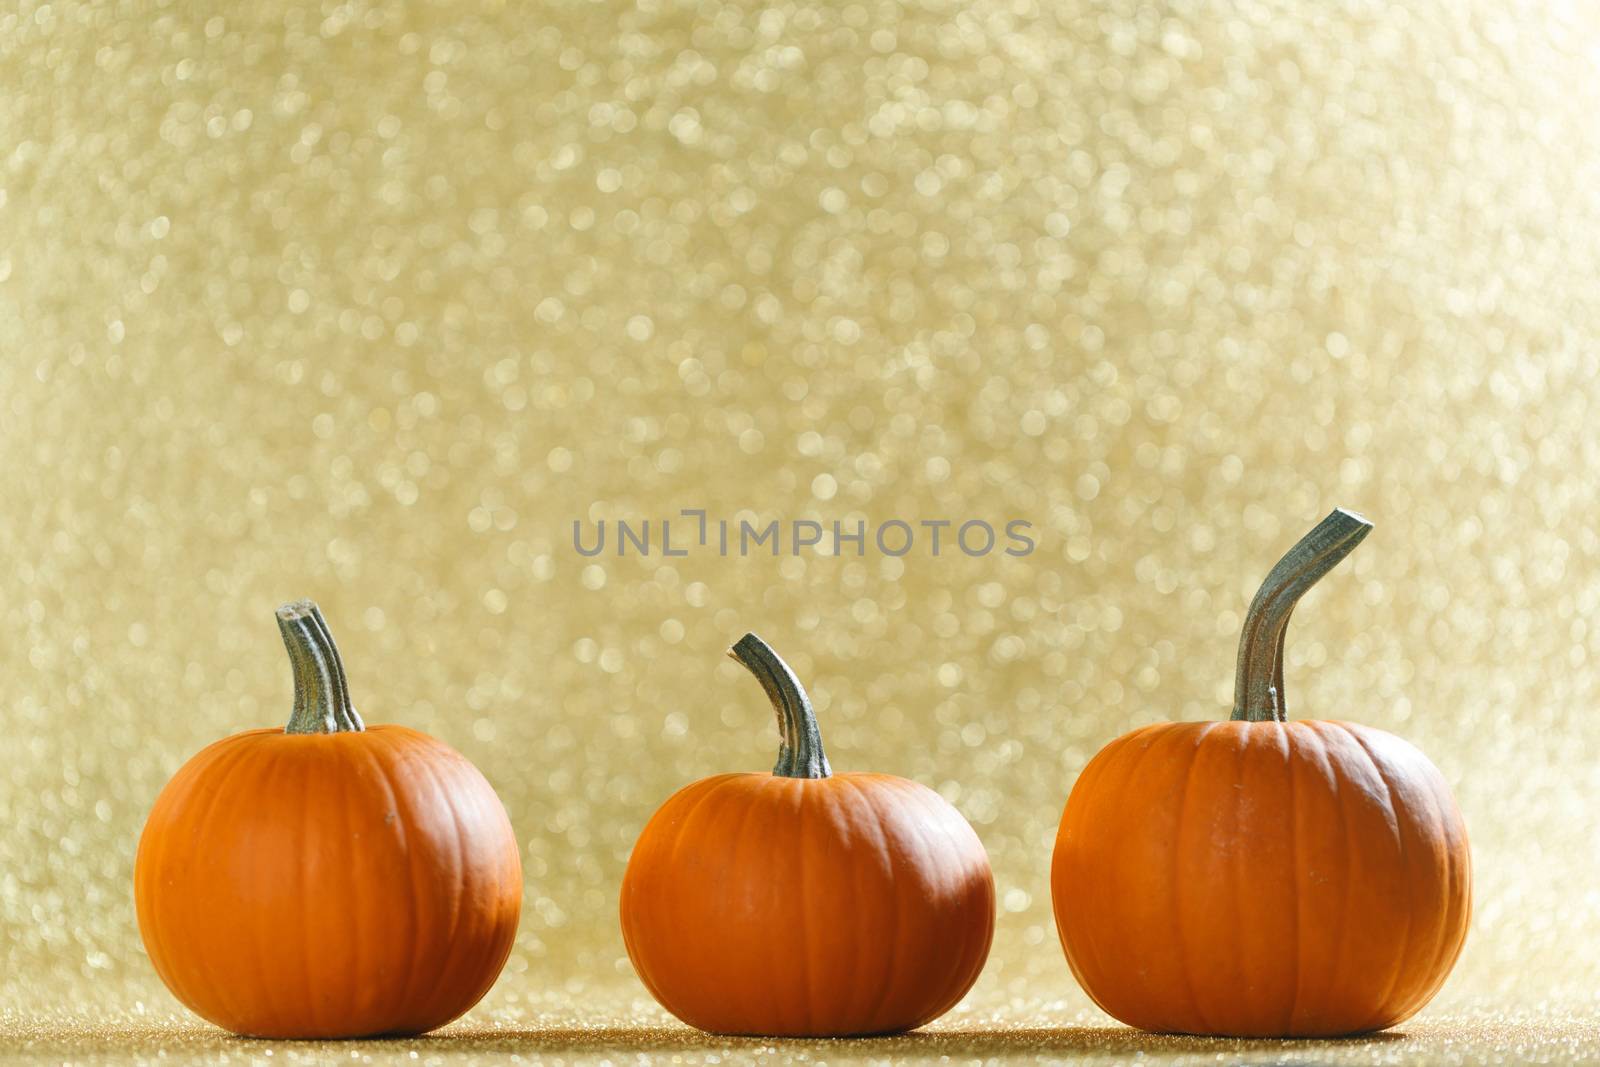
1261 877
329 879
802 902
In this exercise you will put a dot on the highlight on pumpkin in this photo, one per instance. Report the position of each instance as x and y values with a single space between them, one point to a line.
744 887
407 876
1308 878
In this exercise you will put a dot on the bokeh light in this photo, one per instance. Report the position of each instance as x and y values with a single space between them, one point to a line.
370 301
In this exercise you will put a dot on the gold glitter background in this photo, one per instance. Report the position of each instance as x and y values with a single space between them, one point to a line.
369 301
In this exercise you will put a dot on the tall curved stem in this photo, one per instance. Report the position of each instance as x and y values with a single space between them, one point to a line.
321 694
800 752
1258 684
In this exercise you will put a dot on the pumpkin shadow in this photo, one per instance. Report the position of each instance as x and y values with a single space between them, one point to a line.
1122 1042
53 1044
1117 1042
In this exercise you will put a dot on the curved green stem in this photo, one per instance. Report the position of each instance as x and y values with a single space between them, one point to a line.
1258 684
321 694
800 752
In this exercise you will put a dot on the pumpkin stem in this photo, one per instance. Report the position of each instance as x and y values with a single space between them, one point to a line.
321 695
1258 684
800 752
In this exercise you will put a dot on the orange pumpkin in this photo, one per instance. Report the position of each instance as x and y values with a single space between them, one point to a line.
328 879
1261 877
805 903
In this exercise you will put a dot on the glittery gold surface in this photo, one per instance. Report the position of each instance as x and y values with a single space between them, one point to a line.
368 302
1044 1037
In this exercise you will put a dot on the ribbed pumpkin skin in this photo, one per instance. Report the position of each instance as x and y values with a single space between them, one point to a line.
1304 879
328 885
853 904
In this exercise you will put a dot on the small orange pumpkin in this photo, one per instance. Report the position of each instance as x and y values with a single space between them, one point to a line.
1261 877
805 903
328 879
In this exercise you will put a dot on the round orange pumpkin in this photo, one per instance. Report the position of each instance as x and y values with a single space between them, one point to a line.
1261 877
802 902
329 879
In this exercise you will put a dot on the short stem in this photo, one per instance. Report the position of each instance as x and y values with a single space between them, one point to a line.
1258 684
800 752
321 695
